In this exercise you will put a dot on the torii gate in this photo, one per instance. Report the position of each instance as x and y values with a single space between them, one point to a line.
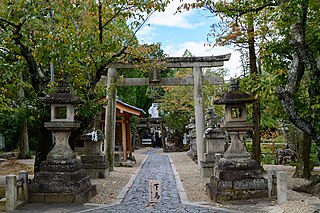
196 63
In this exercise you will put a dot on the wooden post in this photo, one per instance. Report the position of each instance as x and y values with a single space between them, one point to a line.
124 137
128 131
162 136
199 113
110 121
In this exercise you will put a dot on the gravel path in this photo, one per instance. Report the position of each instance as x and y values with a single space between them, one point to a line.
194 185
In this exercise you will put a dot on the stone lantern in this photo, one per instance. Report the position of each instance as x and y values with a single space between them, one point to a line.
236 124
62 178
237 176
191 127
62 121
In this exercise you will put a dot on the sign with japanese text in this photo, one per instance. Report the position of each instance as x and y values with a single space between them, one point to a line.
154 191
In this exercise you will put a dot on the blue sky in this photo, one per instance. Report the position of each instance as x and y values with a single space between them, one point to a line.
186 30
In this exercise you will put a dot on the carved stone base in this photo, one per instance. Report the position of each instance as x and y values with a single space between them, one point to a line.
237 179
207 169
61 181
235 194
96 166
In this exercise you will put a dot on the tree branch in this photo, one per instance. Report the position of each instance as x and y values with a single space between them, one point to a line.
113 17
290 107
239 12
102 68
9 22
31 62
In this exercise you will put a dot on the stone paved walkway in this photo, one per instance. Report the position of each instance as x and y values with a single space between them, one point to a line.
156 167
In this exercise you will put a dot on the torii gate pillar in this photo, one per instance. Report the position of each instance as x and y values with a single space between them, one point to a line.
199 113
110 119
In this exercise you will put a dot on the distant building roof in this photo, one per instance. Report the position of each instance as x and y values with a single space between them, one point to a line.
122 106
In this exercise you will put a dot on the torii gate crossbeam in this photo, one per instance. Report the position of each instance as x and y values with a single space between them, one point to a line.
196 63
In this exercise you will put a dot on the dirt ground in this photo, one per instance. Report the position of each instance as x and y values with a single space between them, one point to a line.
13 166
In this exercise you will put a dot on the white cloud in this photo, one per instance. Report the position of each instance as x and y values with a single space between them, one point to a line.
199 49
188 20
146 34
172 19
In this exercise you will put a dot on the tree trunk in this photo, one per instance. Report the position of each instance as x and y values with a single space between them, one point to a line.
23 143
178 140
303 168
255 154
43 147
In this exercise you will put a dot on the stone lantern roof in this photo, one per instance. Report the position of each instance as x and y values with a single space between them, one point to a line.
62 96
235 95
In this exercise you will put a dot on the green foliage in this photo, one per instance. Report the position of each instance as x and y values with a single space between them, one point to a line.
80 38
267 157
278 49
314 161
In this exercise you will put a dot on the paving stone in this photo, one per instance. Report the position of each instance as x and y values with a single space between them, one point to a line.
156 167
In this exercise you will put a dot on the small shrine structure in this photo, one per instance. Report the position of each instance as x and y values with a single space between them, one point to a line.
123 139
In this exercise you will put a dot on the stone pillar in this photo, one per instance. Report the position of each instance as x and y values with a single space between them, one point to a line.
110 120
23 191
192 140
282 190
218 156
271 176
93 161
199 112
215 143
11 192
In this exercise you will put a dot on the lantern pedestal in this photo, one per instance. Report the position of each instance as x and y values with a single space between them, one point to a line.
62 178
237 176
93 161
